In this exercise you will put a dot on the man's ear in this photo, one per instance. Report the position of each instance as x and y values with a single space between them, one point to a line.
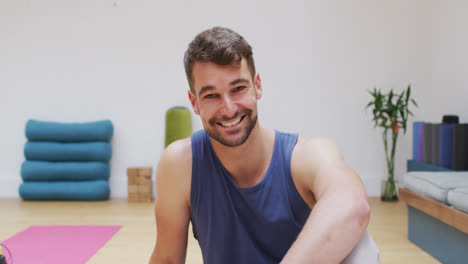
258 86
193 101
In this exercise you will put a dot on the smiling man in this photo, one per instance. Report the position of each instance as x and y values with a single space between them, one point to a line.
253 194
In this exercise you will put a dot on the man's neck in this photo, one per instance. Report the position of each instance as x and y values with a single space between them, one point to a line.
247 163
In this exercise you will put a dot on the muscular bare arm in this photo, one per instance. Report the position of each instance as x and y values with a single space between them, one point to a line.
341 213
172 209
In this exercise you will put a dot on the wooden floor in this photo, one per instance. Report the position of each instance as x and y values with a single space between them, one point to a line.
135 241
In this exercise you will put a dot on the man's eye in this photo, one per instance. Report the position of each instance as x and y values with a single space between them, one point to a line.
210 96
239 88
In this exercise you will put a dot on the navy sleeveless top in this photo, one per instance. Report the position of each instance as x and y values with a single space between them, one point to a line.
236 225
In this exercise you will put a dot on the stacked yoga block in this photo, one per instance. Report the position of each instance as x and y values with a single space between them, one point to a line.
140 186
67 161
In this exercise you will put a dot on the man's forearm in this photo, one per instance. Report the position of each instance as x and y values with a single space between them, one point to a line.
159 257
334 226
155 260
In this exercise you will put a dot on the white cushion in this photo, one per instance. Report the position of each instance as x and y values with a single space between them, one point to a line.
458 198
435 184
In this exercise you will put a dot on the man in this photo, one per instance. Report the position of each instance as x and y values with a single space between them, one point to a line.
254 195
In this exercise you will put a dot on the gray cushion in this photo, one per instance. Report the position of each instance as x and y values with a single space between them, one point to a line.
458 198
435 184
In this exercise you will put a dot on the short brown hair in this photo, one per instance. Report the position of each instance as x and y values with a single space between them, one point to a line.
219 45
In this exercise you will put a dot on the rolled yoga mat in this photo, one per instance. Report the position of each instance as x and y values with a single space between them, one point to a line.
64 171
72 191
57 151
418 141
460 147
178 124
69 132
445 145
435 144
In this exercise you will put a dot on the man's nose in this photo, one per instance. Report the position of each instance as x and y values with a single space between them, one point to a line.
228 106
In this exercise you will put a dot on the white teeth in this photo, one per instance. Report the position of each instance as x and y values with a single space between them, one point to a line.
228 124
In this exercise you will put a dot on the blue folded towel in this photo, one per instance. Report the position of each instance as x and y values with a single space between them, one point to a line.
76 191
64 171
69 132
57 151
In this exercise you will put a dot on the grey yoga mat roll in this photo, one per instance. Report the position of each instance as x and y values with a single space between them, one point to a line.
435 144
460 147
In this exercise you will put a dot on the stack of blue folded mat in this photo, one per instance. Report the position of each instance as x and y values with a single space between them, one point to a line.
67 161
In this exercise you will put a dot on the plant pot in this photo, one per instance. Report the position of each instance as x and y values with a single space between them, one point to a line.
389 191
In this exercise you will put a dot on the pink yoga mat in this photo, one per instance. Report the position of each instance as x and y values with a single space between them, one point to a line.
58 244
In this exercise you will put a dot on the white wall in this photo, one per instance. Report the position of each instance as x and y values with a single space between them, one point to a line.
76 61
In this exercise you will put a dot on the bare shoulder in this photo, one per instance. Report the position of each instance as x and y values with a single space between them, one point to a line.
316 152
175 167
179 151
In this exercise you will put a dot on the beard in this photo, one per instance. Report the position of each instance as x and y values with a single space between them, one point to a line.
217 135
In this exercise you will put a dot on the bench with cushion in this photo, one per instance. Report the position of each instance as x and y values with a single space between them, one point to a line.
437 211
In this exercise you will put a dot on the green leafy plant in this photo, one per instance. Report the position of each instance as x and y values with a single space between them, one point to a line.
391 112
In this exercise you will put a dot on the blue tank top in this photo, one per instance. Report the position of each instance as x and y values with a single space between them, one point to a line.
236 225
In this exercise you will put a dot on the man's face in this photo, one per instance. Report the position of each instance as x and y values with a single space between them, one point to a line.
225 97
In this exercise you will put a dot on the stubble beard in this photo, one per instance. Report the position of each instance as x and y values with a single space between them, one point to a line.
213 133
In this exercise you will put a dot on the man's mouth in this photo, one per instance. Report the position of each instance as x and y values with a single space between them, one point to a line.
232 123
228 122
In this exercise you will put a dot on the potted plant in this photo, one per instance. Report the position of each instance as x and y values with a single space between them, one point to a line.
390 112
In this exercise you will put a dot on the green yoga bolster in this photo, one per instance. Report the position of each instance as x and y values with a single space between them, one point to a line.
71 191
178 124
